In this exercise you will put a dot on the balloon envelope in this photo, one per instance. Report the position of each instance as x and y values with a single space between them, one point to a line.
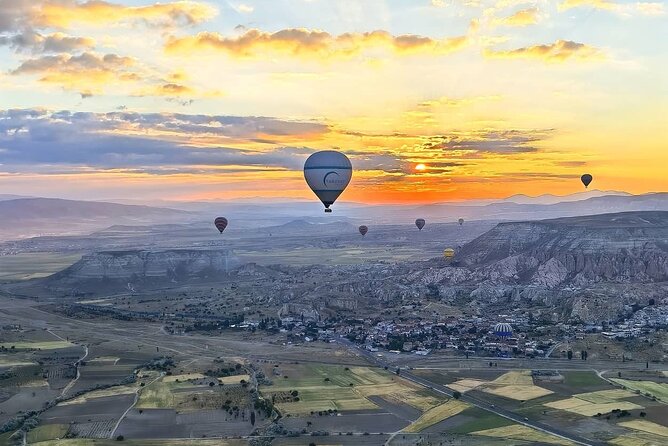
503 330
586 179
328 173
461 221
221 223
420 223
448 253
363 230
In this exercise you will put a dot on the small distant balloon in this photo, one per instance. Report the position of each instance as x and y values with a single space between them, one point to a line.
328 173
461 221
363 230
586 179
420 223
221 223
503 330
448 253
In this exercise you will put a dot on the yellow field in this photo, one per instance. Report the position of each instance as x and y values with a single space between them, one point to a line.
605 396
104 359
638 439
518 392
102 393
464 385
646 426
184 377
37 345
657 390
518 432
159 395
11 361
592 403
234 379
515 378
517 385
436 415
314 399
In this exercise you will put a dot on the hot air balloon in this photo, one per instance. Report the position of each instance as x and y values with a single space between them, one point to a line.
461 221
503 330
448 253
363 230
328 173
221 223
420 223
586 179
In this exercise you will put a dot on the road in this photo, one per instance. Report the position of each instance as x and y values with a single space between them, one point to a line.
474 401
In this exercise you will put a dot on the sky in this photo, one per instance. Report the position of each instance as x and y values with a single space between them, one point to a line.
217 100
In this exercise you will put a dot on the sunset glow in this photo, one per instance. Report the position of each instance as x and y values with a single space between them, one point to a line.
431 100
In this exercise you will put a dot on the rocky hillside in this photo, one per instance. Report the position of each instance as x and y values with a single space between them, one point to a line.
590 267
145 267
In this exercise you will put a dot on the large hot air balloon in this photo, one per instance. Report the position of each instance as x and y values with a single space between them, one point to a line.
586 179
221 223
448 253
420 223
363 230
503 330
328 173
461 221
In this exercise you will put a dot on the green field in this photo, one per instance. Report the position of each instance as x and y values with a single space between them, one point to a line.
657 390
34 265
582 379
483 420
161 442
37 345
47 432
336 256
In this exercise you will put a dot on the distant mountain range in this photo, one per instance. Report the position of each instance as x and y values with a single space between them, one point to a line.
27 217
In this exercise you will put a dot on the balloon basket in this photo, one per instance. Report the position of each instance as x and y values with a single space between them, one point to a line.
328 210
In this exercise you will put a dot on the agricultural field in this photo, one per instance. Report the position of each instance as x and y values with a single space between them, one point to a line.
522 433
36 345
161 442
436 415
647 426
34 265
47 432
517 385
327 387
592 403
651 388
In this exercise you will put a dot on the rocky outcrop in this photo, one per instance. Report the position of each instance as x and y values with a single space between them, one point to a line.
137 267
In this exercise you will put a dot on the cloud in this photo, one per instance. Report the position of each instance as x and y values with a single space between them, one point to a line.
643 8
36 43
523 17
148 142
500 142
245 9
65 13
456 102
299 42
87 73
559 51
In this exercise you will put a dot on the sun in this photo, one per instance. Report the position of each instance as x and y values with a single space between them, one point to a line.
420 167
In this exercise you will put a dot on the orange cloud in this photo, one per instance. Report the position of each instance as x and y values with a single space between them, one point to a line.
520 18
87 73
559 51
307 43
62 14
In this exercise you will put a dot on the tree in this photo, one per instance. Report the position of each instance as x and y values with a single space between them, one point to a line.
252 418
456 394
120 438
569 354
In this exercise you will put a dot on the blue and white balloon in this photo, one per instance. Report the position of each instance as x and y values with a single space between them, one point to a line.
328 173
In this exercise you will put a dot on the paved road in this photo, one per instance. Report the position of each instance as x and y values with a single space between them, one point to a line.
474 401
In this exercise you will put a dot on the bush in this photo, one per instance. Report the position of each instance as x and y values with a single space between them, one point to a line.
120 438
